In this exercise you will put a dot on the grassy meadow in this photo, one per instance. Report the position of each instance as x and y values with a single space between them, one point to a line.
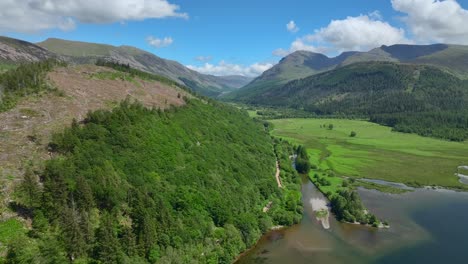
375 152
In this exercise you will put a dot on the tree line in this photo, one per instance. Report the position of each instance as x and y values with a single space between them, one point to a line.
24 80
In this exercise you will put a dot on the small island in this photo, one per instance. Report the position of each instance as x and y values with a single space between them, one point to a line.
320 208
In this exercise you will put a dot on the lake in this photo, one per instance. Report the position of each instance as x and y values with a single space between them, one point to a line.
427 226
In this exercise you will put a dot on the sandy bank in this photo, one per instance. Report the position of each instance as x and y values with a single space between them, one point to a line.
318 205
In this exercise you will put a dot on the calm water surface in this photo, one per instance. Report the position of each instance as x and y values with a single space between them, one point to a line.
426 226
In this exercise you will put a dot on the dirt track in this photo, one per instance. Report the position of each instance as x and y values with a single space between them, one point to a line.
278 179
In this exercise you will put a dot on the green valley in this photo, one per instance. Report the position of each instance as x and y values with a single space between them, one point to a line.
410 98
233 132
375 152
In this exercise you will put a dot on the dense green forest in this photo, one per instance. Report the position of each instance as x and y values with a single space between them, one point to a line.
410 98
138 185
24 80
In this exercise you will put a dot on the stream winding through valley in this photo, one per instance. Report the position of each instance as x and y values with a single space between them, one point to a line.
427 226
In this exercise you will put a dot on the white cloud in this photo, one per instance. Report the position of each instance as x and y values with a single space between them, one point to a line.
435 21
292 27
203 58
159 43
223 68
359 33
37 15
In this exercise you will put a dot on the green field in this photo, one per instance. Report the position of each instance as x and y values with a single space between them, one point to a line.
376 152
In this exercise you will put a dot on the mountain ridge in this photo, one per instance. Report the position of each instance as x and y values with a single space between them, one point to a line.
14 51
86 52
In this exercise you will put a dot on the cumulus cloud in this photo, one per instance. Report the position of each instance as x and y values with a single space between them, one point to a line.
159 43
434 20
292 27
203 58
223 68
358 33
37 15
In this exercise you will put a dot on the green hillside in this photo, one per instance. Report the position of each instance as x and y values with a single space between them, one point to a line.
453 58
299 64
138 185
76 48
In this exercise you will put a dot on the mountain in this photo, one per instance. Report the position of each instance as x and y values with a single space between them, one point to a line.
235 81
83 52
297 65
116 165
301 64
453 58
16 51
411 98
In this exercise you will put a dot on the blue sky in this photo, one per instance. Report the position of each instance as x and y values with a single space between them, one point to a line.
240 37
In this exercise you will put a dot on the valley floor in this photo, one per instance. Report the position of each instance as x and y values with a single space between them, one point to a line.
376 152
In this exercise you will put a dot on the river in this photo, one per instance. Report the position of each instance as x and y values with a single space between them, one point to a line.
428 226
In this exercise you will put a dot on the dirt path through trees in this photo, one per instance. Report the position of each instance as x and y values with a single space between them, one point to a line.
278 179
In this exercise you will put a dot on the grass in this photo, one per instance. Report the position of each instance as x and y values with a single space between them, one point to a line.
5 67
321 213
76 48
376 152
9 230
335 183
380 187
116 75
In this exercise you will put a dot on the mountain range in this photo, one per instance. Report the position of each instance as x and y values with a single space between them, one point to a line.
301 64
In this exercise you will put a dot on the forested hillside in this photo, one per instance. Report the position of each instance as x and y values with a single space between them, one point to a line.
410 98
139 185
